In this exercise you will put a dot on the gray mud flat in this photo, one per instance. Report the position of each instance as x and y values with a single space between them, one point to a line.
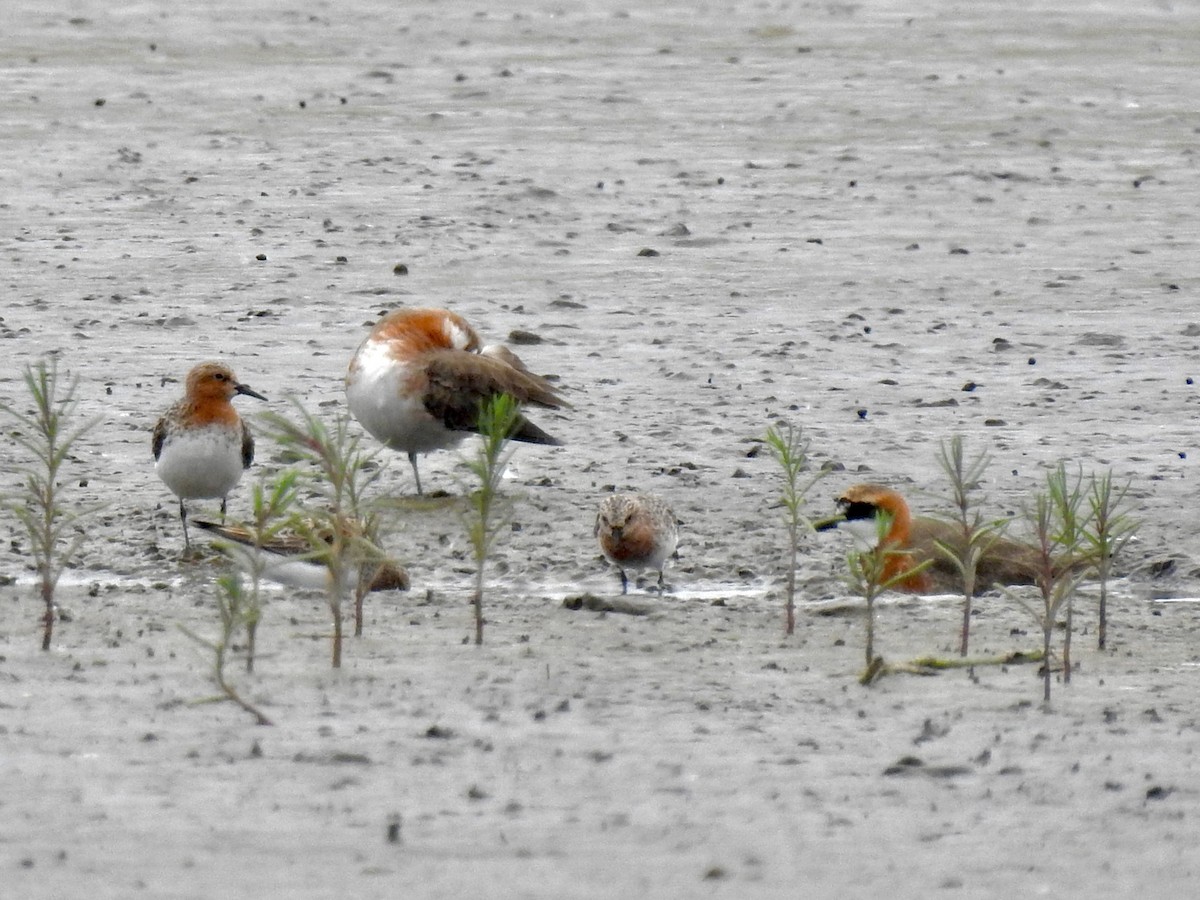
888 223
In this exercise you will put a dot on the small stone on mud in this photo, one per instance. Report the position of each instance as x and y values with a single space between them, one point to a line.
526 338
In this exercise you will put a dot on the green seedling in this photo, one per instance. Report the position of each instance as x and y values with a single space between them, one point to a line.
235 610
271 512
498 418
873 571
342 527
1059 527
45 432
789 447
973 534
1111 529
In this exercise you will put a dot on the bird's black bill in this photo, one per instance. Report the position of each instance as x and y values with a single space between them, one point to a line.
249 392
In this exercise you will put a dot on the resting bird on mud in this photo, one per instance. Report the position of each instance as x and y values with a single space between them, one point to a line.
288 559
912 539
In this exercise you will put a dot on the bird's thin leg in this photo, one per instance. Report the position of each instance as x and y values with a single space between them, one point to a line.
624 582
222 510
661 586
412 458
187 544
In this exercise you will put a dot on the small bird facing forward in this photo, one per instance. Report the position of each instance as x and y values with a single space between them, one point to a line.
911 541
201 445
637 531
417 381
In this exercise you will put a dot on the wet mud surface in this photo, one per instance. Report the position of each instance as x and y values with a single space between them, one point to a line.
886 223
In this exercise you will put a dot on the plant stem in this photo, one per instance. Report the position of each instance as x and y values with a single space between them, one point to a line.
44 434
342 534
975 534
337 638
251 634
498 417
793 558
789 447
1111 530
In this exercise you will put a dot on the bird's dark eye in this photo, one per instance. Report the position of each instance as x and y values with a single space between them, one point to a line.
854 510
220 376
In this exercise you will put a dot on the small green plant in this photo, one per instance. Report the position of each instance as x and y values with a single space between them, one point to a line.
789 447
973 534
498 418
236 611
873 571
1059 529
1111 529
1066 496
342 529
46 432
270 517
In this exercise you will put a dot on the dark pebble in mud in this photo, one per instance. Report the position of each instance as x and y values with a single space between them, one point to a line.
903 764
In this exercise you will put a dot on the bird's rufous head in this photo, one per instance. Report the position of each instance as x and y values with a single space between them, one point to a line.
214 381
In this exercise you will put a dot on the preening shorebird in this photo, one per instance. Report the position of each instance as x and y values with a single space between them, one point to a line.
417 382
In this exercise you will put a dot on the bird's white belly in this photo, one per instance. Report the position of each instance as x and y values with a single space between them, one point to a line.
377 399
656 559
203 464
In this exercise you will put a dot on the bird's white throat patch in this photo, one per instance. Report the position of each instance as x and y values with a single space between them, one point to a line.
864 531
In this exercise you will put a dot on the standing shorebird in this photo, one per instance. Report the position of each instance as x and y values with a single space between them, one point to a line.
910 541
417 382
201 445
637 531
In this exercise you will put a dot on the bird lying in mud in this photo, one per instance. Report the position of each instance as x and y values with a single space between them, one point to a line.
287 559
912 542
